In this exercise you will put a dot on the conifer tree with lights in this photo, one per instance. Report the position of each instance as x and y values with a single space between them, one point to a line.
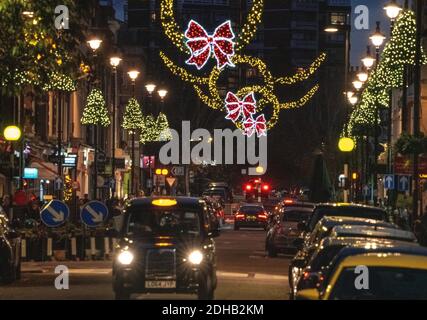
132 118
95 111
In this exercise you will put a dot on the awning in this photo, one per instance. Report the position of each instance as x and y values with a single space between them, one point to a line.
47 170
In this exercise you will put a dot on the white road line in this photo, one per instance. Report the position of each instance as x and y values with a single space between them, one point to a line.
90 271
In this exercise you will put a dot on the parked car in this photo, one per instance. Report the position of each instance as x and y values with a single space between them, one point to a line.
166 246
342 210
10 252
283 233
372 232
308 245
394 274
310 275
250 216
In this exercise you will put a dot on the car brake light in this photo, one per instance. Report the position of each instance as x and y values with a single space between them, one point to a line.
248 187
289 201
266 187
240 216
262 216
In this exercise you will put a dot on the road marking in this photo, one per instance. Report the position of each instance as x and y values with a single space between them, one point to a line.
251 275
90 271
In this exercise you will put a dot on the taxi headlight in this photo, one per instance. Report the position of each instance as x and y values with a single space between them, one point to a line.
195 257
125 257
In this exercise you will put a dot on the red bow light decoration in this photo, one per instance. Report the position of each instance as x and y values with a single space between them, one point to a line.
236 107
202 45
257 125
245 109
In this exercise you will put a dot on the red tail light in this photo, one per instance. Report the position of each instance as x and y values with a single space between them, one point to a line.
289 201
248 187
240 216
266 187
262 216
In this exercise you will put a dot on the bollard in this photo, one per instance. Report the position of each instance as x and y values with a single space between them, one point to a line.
73 248
107 248
92 248
49 248
24 249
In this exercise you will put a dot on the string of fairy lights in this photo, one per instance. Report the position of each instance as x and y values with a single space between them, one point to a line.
95 111
201 45
398 52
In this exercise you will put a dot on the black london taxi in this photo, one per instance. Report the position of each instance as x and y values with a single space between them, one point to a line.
166 245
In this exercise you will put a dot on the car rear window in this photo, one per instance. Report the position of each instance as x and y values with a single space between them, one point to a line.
356 212
251 210
295 216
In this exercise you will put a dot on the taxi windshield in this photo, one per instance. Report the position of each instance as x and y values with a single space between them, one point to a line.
144 222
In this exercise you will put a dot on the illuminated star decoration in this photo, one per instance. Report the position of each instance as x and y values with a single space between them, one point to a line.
202 45
237 108
257 125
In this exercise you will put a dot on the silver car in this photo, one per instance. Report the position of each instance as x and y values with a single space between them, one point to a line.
284 231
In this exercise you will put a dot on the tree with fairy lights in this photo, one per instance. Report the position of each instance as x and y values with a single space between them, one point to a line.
132 119
163 128
95 111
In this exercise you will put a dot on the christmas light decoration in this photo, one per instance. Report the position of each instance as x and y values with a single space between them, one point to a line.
61 82
398 52
202 45
95 112
149 130
257 126
237 108
132 118
163 128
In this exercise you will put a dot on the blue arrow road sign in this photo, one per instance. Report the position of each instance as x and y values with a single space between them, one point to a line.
389 182
404 183
55 213
94 213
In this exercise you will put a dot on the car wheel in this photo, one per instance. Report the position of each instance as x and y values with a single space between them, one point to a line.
271 252
206 288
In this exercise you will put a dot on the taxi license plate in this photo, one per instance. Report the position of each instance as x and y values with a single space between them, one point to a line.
160 284
251 218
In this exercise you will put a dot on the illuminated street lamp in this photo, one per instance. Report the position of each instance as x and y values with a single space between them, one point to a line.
362 76
150 87
12 133
378 37
392 10
353 100
114 62
368 61
357 84
162 93
331 29
346 145
94 44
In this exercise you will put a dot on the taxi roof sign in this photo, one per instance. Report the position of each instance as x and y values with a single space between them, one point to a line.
164 202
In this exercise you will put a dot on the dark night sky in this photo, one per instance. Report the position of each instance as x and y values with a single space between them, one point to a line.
359 38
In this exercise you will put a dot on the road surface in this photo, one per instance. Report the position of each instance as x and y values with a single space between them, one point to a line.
244 273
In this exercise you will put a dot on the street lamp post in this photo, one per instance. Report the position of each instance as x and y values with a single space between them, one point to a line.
133 75
150 87
95 44
346 146
417 104
162 94
114 62
377 39
392 10
12 134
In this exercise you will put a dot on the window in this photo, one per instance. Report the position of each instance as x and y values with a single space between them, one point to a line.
338 18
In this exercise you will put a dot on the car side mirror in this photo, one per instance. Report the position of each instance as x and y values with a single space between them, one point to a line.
302 226
298 243
308 294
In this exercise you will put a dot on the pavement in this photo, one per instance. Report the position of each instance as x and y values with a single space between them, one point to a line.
244 273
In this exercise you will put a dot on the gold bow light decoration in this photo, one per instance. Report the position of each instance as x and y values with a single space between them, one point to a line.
206 86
